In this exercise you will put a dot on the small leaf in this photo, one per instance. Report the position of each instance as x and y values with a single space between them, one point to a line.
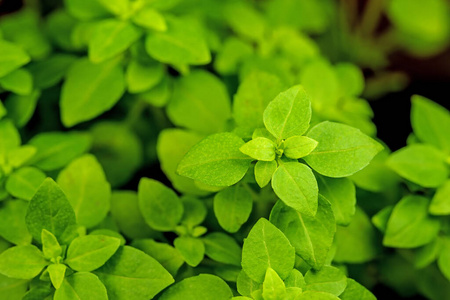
409 225
288 114
192 249
117 7
311 237
84 183
297 147
22 262
203 286
273 286
132 274
264 171
24 182
50 245
295 279
354 290
57 273
421 164
18 81
22 107
150 18
342 150
49 209
440 204
329 279
88 253
141 78
111 37
260 149
89 90
232 207
159 205
245 285
12 57
444 258
222 248
294 183
12 222
266 246
81 285
216 160
194 212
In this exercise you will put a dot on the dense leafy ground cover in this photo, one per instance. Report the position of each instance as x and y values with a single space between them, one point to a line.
206 149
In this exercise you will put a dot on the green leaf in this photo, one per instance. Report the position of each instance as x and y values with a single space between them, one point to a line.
429 121
440 204
255 92
295 279
21 155
358 242
85 9
266 246
127 216
245 20
232 207
90 252
110 38
381 218
329 279
18 81
216 160
245 285
21 107
294 183
342 150
182 43
81 286
89 90
192 249
264 171
158 95
427 254
203 286
340 192
84 183
351 79
165 254
117 7
288 114
421 164
190 104
297 147
57 149
313 295
57 273
12 57
50 245
260 149
150 18
444 258
354 290
9 138
24 182
194 212
141 78
132 274
231 55
14 288
222 248
311 237
22 262
50 210
12 222
159 205
409 225
273 286
50 71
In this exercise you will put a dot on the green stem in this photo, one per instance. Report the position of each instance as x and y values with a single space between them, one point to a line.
371 17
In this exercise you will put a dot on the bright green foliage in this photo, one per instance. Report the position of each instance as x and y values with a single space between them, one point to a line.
266 246
297 147
24 182
56 273
264 171
21 107
12 57
260 148
190 105
410 225
421 164
150 18
90 252
203 286
49 209
18 81
132 274
440 204
141 78
12 222
288 114
273 286
429 121
83 182
191 249
216 160
338 145
444 258
354 290
22 262
328 279
311 237
82 285
296 186
160 206
232 207
50 245
89 90
222 248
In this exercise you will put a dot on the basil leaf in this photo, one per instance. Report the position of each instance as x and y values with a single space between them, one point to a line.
50 245
12 57
273 286
264 171
22 262
354 290
81 285
297 147
12 222
24 182
328 279
57 273
191 249
260 149
440 204
222 248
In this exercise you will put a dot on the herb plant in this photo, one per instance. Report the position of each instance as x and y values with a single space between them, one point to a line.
205 149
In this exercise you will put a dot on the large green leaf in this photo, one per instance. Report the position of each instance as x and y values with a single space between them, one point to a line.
11 57
22 262
81 286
